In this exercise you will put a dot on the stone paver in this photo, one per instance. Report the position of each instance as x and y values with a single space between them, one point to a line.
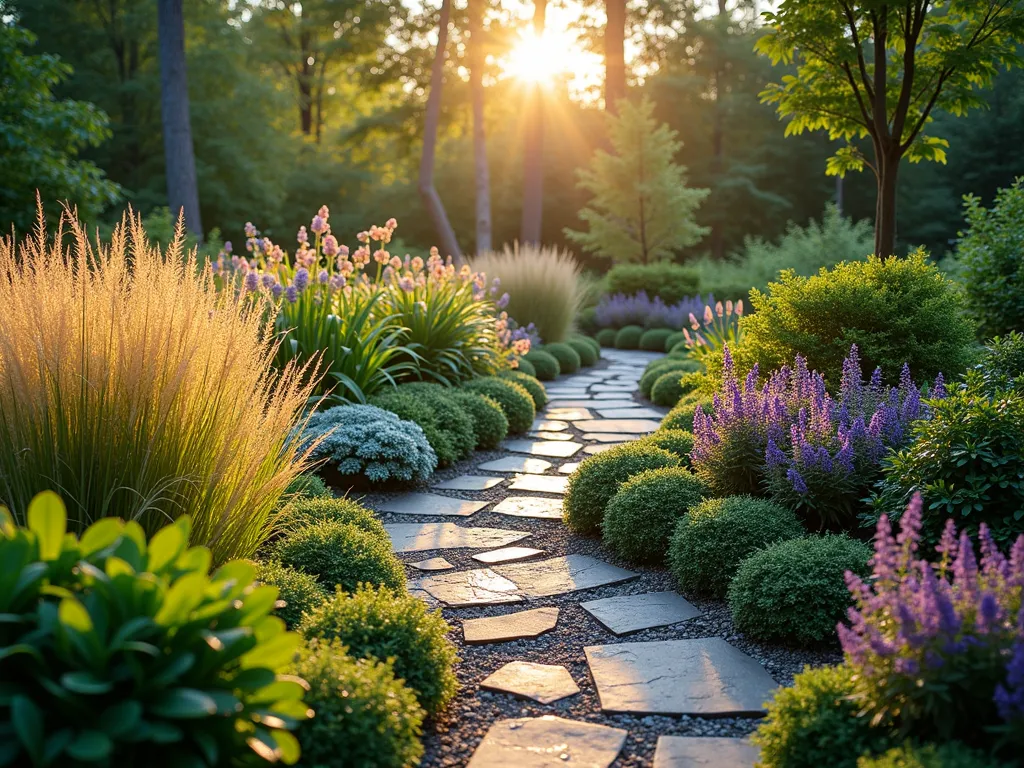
461 589
566 392
559 575
433 564
569 414
610 437
697 677
507 555
468 483
611 400
595 449
550 436
523 625
546 683
594 402
530 506
431 504
423 537
704 752
632 613
540 483
630 413
516 464
626 387
548 742
632 426
569 467
553 448
549 425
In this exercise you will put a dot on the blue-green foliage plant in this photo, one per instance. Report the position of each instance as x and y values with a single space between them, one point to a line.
448 429
115 651
363 441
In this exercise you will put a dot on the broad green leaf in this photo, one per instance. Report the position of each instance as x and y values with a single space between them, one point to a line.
181 599
165 546
73 615
184 704
121 717
27 720
90 746
47 519
288 746
100 535
85 683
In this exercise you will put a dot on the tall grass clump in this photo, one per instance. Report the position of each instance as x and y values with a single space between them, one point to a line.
132 387
543 285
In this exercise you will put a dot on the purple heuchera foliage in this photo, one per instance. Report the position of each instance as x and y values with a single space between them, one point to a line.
619 310
913 617
805 435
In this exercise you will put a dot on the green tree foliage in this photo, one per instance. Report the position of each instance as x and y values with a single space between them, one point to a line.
642 210
871 69
42 135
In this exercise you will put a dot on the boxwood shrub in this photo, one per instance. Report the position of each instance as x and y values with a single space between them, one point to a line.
606 337
544 364
341 555
709 544
448 429
815 723
669 282
306 486
120 651
654 339
525 366
382 624
642 515
658 368
795 591
598 477
531 384
365 717
298 591
678 442
567 357
339 510
669 388
514 399
586 351
952 754
589 340
628 337
490 424
674 338
682 415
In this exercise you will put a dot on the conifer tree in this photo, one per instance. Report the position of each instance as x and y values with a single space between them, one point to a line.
642 210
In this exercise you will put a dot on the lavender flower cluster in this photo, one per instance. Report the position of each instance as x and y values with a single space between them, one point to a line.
810 451
619 310
940 644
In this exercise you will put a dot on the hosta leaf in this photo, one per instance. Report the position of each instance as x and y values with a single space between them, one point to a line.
47 519
184 704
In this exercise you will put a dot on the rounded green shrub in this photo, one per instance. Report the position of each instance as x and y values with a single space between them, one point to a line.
305 487
567 357
795 591
662 279
654 339
364 716
815 723
591 342
598 477
952 754
606 337
586 352
525 366
669 388
1002 363
819 317
660 367
450 441
341 555
709 544
299 591
382 625
629 337
490 424
118 651
544 364
514 399
674 338
681 417
678 442
642 515
531 384
338 510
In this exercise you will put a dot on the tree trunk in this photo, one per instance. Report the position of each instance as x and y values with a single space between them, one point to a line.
305 84
476 86
614 54
533 147
718 130
182 190
432 200
885 205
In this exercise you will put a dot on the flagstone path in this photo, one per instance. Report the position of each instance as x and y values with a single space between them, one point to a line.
569 656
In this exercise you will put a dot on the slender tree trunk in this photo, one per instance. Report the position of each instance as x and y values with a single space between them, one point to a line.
614 54
885 206
305 84
182 189
432 200
718 131
476 86
533 147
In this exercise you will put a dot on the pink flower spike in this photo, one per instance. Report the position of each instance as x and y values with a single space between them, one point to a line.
739 307
718 309
708 317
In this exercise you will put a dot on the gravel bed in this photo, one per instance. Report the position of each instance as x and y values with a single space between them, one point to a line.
451 738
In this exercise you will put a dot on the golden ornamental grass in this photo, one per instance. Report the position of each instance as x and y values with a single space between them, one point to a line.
134 389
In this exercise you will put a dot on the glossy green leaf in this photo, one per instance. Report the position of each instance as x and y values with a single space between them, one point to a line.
27 720
90 746
74 616
184 704
121 718
165 547
85 683
47 519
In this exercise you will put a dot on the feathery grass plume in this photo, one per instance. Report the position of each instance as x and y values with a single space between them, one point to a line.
132 387
543 285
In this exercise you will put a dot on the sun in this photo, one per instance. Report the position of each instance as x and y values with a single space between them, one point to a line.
555 55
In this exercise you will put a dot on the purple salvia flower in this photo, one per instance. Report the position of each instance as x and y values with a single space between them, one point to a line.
797 480
252 282
301 279
291 293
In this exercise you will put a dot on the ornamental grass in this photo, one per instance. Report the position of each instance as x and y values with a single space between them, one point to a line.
135 389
